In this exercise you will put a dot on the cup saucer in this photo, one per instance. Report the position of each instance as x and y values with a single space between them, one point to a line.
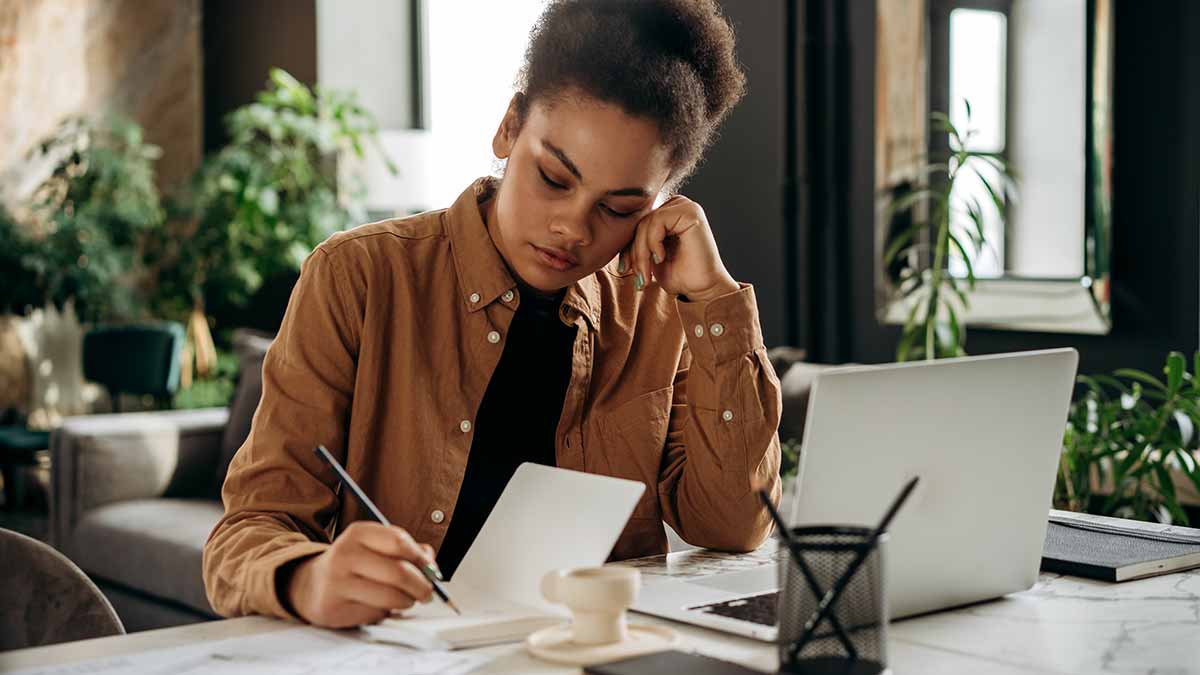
555 644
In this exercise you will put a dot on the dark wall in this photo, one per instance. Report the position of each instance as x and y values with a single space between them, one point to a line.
1156 205
242 40
741 183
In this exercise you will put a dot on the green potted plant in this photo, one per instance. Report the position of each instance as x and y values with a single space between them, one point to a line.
78 237
20 290
917 254
70 253
257 207
1129 437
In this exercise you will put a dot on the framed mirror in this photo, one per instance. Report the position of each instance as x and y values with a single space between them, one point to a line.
1032 80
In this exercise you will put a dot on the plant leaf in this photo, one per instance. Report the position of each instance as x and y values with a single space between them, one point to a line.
965 258
962 295
976 214
1176 365
942 120
909 333
1133 374
987 185
899 243
956 333
904 202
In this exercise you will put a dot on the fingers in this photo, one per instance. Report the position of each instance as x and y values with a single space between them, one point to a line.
348 614
394 542
390 556
375 595
400 575
648 250
657 237
432 556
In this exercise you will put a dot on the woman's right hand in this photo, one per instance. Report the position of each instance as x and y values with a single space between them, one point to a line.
370 570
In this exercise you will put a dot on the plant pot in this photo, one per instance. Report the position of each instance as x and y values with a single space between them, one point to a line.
14 365
53 341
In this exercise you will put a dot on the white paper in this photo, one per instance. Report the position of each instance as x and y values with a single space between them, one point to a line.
484 619
546 519
293 651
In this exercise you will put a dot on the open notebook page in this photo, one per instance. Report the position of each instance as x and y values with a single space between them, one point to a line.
485 620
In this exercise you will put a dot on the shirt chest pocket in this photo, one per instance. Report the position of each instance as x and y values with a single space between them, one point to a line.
633 438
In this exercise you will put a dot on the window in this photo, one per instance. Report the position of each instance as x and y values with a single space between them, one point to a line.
474 49
978 75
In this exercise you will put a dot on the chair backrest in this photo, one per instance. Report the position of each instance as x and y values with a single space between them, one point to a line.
45 598
134 359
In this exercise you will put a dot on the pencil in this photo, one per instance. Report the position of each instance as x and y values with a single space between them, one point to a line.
428 570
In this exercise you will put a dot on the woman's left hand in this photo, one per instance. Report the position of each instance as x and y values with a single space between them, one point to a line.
674 246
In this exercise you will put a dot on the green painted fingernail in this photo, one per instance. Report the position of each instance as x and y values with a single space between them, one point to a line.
620 265
657 260
639 281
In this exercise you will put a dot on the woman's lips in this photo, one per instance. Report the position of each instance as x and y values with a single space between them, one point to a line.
553 259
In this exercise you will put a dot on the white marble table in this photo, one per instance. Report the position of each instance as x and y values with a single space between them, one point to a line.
1062 625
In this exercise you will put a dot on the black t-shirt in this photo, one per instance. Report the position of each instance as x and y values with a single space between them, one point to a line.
517 418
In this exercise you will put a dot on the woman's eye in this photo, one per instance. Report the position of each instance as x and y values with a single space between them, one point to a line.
619 214
556 186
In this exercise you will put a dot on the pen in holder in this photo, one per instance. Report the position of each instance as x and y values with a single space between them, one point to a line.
850 636
834 577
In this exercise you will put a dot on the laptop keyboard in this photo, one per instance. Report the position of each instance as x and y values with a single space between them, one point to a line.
760 609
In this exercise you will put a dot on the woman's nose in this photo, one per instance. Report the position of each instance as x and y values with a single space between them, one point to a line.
573 227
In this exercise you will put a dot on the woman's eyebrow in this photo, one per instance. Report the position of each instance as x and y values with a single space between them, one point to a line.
566 161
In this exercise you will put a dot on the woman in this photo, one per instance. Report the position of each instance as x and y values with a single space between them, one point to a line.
557 315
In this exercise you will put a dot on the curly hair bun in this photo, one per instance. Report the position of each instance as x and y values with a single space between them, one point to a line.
671 61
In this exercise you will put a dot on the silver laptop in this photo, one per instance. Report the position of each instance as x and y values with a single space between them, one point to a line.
983 433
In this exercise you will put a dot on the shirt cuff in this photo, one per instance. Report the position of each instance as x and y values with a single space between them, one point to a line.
264 595
723 328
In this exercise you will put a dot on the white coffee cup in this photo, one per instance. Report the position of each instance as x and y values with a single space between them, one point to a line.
598 598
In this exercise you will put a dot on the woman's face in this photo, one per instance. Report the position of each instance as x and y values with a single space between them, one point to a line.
580 175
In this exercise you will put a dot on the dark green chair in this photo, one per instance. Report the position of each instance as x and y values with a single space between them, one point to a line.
136 359
18 449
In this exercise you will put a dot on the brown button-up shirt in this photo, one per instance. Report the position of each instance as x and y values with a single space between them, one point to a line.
385 351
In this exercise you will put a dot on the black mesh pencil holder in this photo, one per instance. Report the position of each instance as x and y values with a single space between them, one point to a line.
851 637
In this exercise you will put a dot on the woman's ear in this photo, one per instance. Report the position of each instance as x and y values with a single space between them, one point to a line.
510 127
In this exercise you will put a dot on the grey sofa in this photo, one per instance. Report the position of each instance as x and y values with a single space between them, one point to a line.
134 496
132 503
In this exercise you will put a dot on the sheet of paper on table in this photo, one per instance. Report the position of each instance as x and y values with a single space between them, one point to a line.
292 651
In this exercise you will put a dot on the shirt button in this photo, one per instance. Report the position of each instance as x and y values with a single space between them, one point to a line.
727 415
437 516
474 298
465 425
508 296
699 330
716 329
493 337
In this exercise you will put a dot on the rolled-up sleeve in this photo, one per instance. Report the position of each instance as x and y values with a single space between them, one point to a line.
278 503
722 439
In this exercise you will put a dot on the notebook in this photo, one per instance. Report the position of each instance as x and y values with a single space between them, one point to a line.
1116 549
546 519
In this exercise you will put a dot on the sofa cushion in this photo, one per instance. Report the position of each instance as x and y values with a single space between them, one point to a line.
149 545
251 349
795 386
795 381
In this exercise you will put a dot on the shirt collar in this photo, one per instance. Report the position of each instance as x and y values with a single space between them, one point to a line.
482 273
